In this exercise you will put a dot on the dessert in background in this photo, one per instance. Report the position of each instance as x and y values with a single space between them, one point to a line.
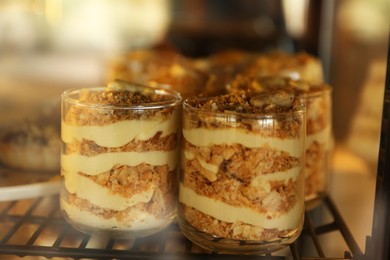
226 67
120 159
241 181
163 68
208 76
221 68
33 143
299 65
236 70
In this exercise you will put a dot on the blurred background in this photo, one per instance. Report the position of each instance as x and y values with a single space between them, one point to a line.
70 42
47 46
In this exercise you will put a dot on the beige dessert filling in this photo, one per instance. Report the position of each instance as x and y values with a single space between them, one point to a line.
205 137
140 216
86 188
125 131
232 214
74 163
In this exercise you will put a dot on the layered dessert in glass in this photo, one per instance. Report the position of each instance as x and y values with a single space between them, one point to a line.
119 159
224 67
208 76
318 102
161 68
300 65
241 180
221 68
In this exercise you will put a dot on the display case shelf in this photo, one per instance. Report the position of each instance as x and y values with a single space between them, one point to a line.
35 227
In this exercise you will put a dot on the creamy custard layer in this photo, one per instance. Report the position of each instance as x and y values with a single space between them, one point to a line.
102 197
207 137
136 220
232 214
95 165
125 131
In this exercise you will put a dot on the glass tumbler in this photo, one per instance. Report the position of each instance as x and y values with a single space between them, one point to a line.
317 97
241 187
119 160
319 142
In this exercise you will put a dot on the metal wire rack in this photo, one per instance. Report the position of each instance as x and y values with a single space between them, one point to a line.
35 227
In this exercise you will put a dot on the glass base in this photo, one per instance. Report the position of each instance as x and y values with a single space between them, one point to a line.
232 246
114 233
314 200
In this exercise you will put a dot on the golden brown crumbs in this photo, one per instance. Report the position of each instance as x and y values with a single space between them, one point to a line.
279 101
93 116
281 127
315 169
243 163
121 98
277 62
159 206
239 231
262 84
160 67
233 192
129 180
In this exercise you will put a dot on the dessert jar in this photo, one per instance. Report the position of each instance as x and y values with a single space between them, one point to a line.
317 97
119 159
319 142
161 68
241 187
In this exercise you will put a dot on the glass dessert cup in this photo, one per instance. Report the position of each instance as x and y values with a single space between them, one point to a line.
318 144
318 102
119 159
241 186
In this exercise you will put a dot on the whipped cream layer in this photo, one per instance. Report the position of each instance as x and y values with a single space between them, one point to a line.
135 220
120 133
74 163
208 137
102 197
232 214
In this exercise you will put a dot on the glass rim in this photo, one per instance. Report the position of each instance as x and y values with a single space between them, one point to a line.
174 101
265 115
326 89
